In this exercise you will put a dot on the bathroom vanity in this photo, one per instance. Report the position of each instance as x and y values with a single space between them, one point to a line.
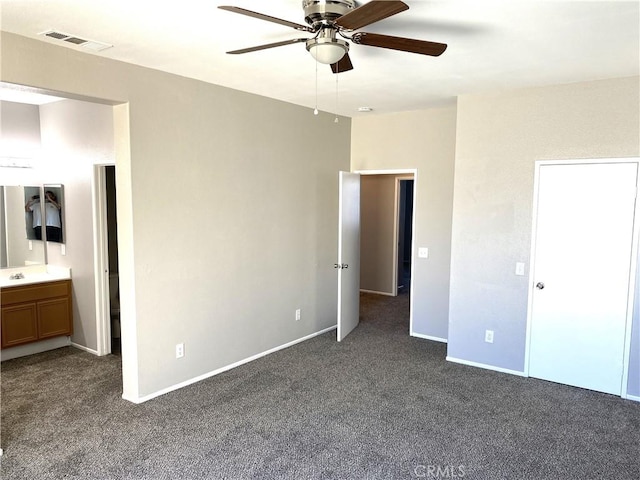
36 307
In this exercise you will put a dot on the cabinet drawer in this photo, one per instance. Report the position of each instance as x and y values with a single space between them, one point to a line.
38 291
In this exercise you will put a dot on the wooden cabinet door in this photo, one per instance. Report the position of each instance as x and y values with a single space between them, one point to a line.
54 317
19 324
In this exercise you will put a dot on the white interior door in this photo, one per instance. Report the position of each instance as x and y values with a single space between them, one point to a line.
348 265
581 274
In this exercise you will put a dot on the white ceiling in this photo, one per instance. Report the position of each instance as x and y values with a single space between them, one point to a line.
493 45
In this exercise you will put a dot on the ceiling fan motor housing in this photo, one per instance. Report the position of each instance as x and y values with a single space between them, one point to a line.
324 12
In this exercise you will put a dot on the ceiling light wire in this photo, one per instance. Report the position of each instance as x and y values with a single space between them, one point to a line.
315 111
336 120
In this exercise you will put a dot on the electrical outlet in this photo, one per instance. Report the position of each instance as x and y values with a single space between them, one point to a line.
488 336
180 350
297 315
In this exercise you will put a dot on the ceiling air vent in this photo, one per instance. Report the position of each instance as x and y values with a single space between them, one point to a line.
81 42
56 35
76 40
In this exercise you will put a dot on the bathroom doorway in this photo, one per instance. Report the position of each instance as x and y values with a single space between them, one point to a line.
112 248
108 272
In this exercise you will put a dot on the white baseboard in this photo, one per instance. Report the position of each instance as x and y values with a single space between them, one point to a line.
378 293
86 349
511 372
428 337
224 369
486 367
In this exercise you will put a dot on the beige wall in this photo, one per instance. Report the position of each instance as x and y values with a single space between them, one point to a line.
425 141
19 138
19 132
75 136
377 233
499 138
231 218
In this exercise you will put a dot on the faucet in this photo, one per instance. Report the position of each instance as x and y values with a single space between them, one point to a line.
16 276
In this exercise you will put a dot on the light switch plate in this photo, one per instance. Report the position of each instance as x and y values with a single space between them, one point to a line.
520 268
63 249
423 252
488 336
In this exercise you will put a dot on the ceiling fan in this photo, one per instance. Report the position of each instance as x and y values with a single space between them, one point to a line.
330 19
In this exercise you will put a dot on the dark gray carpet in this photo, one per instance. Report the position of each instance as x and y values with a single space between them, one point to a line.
380 405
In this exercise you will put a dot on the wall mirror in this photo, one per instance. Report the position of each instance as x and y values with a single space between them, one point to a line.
17 247
33 212
54 213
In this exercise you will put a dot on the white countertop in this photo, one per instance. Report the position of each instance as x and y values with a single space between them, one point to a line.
34 274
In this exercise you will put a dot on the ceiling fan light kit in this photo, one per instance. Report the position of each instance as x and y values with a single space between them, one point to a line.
326 48
327 19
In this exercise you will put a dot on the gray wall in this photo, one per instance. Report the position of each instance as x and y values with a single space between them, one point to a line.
423 140
499 137
227 215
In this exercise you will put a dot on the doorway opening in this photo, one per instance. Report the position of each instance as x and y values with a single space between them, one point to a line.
386 238
112 250
405 234
108 274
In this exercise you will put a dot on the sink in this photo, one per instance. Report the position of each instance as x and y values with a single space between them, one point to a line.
26 276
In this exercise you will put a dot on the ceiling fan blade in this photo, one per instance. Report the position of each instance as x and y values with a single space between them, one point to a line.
398 43
268 45
371 12
342 65
268 18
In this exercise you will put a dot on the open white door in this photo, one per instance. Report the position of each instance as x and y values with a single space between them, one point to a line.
581 275
348 265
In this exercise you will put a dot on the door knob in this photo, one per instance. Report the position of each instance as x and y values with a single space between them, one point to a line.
335 265
539 285
345 265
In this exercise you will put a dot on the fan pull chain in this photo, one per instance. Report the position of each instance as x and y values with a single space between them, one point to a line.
336 120
315 110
